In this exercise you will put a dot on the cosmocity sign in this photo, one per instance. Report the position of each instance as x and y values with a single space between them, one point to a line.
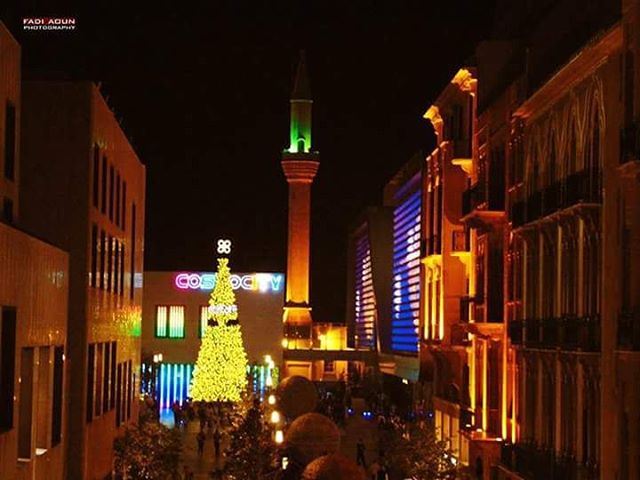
261 282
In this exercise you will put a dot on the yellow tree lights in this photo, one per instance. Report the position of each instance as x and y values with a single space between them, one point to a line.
220 373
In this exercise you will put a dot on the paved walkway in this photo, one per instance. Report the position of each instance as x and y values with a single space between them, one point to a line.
357 427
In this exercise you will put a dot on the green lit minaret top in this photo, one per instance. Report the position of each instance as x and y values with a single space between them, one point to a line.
300 129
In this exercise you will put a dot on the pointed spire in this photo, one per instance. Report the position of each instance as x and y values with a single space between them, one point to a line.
301 90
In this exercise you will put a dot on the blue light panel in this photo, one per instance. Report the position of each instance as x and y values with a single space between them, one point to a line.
365 300
406 274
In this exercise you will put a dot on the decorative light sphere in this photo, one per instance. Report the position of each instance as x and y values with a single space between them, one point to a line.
311 436
297 396
333 467
271 399
279 437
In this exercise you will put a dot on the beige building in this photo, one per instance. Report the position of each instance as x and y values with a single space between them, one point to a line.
33 314
83 188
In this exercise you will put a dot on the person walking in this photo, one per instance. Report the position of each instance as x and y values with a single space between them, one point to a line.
217 437
200 438
360 448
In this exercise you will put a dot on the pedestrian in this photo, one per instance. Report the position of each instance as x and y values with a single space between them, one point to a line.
374 468
175 408
216 441
200 438
360 460
202 416
188 473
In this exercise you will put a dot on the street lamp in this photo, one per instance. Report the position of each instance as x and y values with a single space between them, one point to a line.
271 399
275 417
279 437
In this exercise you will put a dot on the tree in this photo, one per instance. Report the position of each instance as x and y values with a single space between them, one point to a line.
220 373
416 452
148 450
252 454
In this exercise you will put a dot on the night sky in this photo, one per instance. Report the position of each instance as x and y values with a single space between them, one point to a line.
202 92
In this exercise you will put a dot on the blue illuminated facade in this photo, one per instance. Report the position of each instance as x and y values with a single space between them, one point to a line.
406 268
365 299
173 381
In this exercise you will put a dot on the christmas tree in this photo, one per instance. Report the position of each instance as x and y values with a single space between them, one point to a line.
220 374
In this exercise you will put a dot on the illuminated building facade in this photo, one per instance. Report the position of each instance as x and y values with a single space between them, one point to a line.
82 187
369 280
174 316
33 313
449 325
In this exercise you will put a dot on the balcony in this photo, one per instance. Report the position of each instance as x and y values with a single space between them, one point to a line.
532 462
516 329
460 241
579 188
484 201
564 333
629 331
461 150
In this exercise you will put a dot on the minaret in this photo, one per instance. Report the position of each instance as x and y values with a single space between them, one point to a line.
300 165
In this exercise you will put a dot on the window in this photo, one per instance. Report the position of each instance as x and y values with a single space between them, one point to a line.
109 263
119 396
98 379
106 377
7 210
96 176
25 413
133 251
43 399
112 395
9 141
122 269
111 190
130 382
104 185
170 321
94 256
103 249
204 319
91 365
58 379
118 199
7 366
123 216
116 266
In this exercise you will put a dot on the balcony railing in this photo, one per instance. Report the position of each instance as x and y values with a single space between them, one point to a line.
564 333
629 331
580 187
630 143
532 462
484 195
516 329
298 332
462 148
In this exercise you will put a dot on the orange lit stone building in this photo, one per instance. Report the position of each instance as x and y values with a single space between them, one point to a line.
33 313
83 188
